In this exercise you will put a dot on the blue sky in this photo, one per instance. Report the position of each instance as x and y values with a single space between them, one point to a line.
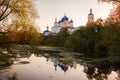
75 9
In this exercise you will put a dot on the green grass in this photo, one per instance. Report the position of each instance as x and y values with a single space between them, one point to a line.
4 60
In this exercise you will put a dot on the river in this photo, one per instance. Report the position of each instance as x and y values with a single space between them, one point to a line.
46 66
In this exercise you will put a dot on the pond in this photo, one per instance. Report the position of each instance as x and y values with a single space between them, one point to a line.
48 66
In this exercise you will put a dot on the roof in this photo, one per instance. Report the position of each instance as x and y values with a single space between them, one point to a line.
65 18
71 21
46 31
90 14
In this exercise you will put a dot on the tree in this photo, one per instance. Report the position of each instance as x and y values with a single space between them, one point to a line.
23 33
17 8
114 16
109 0
11 10
5 9
62 36
75 42
19 17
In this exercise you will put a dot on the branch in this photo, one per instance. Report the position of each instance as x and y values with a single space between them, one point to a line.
4 12
5 16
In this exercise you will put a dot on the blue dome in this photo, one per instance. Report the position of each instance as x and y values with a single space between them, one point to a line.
64 68
46 31
65 18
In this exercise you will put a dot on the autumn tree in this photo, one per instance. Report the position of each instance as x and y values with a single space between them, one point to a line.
23 32
109 1
17 9
19 17
11 10
114 16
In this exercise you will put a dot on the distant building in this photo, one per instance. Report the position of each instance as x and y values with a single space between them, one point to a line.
46 32
63 23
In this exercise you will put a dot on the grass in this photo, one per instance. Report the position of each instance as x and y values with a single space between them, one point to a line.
4 60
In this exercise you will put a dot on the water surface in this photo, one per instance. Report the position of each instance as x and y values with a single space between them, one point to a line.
44 67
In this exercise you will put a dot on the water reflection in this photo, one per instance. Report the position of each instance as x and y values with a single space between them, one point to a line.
49 66
98 74
104 70
98 70
64 64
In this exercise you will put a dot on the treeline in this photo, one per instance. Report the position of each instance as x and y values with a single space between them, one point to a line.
25 34
95 39
57 40
100 38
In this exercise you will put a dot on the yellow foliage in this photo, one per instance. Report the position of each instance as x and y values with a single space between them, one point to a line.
23 32
17 9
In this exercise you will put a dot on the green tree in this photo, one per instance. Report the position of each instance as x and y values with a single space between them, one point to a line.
94 40
62 36
57 39
74 42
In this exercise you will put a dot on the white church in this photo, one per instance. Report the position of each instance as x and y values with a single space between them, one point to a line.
66 23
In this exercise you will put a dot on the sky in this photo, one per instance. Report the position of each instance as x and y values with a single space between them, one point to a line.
77 10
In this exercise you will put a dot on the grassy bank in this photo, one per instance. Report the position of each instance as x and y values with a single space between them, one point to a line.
4 60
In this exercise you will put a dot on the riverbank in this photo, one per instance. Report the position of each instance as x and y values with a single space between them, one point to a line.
5 60
9 52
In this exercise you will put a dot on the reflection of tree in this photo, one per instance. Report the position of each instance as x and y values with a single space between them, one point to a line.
101 70
118 77
97 73
24 54
97 69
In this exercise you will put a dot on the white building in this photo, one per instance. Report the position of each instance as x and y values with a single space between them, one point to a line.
63 23
47 32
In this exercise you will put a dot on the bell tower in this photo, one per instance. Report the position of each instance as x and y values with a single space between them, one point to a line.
90 17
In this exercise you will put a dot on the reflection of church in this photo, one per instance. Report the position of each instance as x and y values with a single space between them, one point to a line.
63 64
